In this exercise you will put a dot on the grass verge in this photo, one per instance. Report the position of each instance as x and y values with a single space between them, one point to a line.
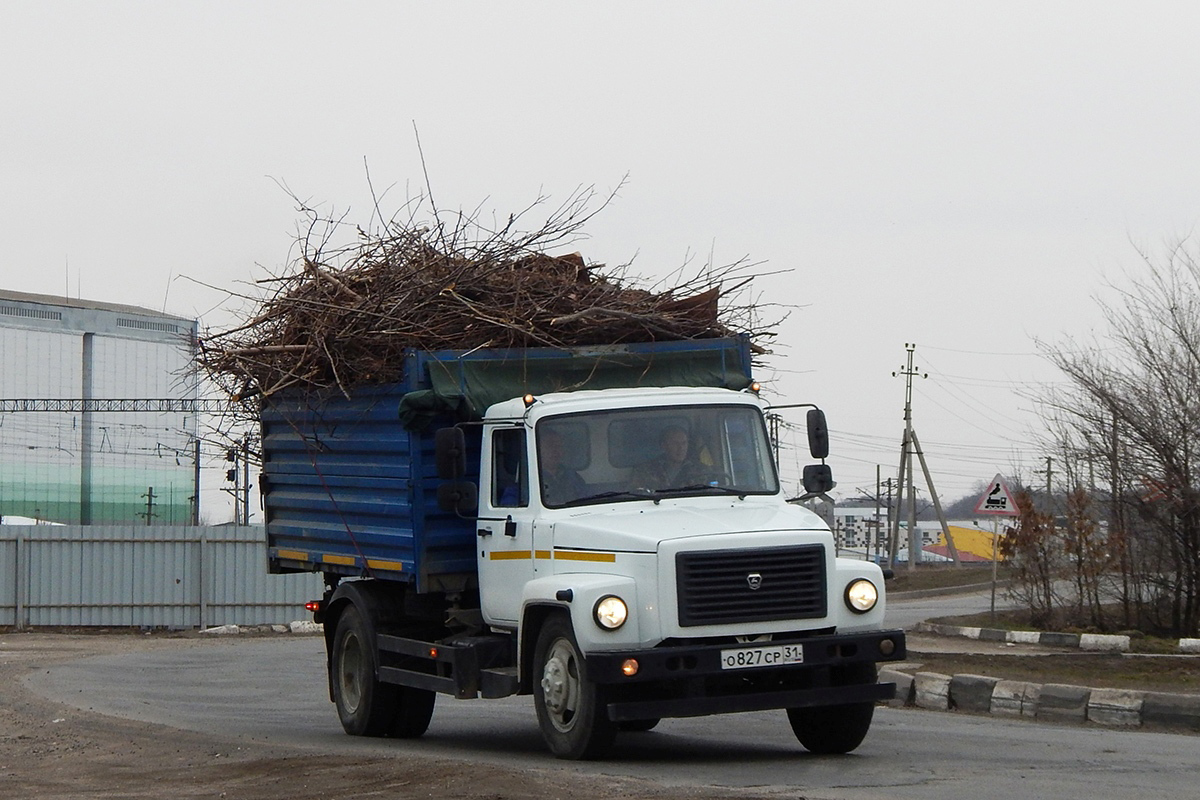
1175 674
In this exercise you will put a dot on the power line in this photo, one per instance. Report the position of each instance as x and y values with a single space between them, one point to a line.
970 400
76 405
868 440
960 417
983 352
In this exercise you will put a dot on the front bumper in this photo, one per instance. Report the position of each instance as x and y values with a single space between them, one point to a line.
688 680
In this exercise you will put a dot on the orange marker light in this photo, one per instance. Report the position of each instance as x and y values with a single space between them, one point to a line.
630 667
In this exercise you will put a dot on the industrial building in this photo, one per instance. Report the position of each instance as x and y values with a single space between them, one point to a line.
88 462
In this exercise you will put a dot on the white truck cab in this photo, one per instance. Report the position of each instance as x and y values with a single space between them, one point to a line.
654 521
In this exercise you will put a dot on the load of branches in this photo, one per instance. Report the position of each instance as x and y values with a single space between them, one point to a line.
337 318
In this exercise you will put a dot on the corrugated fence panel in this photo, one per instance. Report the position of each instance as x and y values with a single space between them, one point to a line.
8 579
145 577
237 568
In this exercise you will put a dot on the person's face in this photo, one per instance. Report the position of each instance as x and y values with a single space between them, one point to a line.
675 445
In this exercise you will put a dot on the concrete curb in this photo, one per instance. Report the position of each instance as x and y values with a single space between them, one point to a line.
299 626
1052 702
1094 642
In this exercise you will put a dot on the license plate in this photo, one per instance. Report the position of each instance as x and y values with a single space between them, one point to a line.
768 656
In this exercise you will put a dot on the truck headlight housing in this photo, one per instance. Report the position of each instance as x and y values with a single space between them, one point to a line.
610 612
861 596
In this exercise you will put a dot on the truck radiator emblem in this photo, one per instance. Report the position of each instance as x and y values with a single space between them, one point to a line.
754 580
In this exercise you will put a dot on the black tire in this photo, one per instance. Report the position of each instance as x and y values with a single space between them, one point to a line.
413 710
363 703
367 706
833 730
638 725
570 707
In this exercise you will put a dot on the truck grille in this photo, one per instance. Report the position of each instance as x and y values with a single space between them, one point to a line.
732 586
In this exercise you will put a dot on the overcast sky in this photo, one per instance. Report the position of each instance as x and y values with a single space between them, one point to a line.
965 176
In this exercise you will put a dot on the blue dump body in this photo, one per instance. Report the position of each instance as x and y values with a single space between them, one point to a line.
349 490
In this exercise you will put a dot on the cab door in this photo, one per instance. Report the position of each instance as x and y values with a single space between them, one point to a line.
505 526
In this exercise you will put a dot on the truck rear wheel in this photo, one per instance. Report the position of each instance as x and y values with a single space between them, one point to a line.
411 712
833 730
366 705
570 707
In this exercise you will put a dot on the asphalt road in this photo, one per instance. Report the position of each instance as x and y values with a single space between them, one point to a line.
905 613
273 690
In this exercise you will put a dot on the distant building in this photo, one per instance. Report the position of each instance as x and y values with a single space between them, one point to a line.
95 466
859 527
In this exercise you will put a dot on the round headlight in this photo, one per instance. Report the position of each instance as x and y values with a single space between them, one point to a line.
611 612
861 596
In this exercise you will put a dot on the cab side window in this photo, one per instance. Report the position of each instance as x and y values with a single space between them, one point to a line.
510 469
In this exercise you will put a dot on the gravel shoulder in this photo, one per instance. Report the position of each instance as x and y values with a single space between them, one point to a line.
53 751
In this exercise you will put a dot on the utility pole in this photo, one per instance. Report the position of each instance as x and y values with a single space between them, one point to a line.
1049 474
773 423
246 479
1049 489
196 481
888 542
234 475
150 515
908 445
874 543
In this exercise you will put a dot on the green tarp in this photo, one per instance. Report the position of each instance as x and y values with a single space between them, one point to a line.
472 382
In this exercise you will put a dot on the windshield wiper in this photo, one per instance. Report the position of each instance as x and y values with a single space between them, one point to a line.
635 494
709 487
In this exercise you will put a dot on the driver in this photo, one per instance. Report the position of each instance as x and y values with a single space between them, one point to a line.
560 483
674 467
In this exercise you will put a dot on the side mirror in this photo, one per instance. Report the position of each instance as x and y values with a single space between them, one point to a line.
450 452
818 434
459 497
818 479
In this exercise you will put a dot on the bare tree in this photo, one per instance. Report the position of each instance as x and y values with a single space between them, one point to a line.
1132 406
1036 559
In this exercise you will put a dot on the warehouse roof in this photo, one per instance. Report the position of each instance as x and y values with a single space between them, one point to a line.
74 302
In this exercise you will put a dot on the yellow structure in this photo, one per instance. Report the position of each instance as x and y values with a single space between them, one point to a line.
973 544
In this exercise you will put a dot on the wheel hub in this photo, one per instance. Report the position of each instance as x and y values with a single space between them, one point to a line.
560 686
351 668
554 685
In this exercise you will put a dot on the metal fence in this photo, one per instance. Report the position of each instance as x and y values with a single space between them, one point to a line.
144 577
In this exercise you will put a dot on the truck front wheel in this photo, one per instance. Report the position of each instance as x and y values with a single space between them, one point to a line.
570 707
836 729
366 705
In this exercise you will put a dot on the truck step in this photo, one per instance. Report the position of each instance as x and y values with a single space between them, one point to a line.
499 682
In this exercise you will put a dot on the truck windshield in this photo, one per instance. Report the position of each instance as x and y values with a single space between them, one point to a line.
640 453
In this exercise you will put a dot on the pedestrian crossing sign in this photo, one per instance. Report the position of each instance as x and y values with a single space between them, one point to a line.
997 499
